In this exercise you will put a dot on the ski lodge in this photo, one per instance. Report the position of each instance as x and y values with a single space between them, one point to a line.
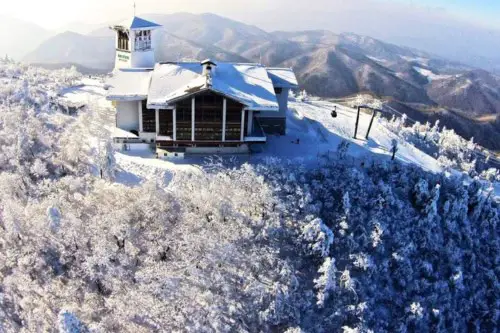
192 107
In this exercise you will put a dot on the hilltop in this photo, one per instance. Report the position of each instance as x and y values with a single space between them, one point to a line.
331 235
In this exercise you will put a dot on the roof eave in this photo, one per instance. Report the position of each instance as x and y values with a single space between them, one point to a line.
263 108
126 98
168 103
286 86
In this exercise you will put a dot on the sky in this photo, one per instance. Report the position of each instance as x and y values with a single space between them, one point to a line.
54 14
479 11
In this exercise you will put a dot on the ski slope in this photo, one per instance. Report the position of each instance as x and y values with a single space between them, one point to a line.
318 133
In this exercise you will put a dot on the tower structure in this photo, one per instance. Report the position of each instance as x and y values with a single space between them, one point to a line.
135 43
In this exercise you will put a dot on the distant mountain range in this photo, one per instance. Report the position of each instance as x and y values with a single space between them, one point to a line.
327 64
17 37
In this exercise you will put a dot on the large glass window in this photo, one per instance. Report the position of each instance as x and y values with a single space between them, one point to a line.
166 122
143 40
233 120
183 118
208 116
123 41
148 119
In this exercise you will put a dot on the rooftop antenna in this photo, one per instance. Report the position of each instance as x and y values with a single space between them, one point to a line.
134 8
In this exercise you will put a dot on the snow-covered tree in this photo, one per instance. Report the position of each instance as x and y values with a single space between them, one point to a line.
325 283
234 247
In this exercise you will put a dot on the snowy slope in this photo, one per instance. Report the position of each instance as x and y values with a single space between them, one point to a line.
431 76
319 133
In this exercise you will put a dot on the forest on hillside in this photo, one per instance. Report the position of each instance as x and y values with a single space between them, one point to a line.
269 247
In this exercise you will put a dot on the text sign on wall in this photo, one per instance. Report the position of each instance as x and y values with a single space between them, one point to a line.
123 57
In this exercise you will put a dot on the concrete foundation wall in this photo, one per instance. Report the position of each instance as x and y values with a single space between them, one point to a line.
132 146
127 116
243 149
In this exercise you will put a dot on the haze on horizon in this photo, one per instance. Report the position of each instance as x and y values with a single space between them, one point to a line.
462 30
55 14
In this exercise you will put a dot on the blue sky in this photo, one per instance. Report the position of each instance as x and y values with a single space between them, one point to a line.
55 13
486 12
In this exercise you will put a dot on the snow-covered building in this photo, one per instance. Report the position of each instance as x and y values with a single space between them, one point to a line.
193 106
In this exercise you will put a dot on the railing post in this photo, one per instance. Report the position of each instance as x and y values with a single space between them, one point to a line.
371 123
174 121
357 122
157 121
140 117
242 133
250 123
224 119
192 118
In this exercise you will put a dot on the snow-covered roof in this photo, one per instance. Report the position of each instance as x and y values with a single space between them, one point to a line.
248 84
128 85
119 133
137 23
283 77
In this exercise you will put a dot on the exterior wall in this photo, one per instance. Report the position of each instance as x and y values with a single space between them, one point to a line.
136 147
283 106
143 59
275 122
127 116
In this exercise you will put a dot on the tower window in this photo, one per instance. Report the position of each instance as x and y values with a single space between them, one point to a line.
143 40
123 41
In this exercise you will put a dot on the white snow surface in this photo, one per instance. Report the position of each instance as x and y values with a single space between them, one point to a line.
89 91
119 133
379 60
423 61
129 84
283 77
318 133
248 84
430 75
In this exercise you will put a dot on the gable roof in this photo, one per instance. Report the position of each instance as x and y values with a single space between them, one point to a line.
137 23
283 77
248 84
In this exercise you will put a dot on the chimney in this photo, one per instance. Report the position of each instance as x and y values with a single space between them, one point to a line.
208 67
